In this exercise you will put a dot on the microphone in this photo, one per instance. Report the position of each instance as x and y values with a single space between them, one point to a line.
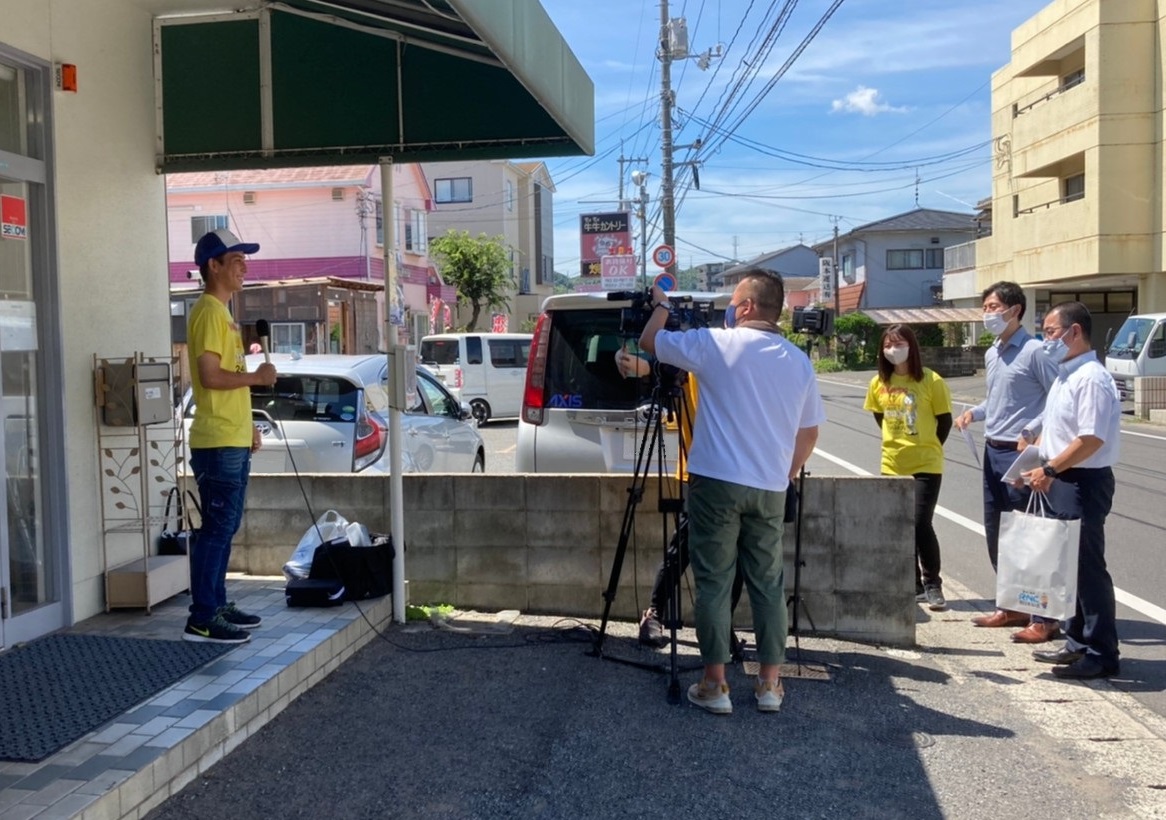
264 330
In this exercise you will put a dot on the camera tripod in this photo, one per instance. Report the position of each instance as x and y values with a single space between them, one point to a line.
667 399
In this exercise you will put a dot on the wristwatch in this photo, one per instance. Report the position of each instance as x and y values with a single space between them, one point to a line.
1050 471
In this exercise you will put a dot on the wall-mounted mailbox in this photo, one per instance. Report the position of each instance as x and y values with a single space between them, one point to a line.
132 393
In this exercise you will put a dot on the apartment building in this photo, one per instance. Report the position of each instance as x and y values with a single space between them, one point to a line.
1078 184
514 200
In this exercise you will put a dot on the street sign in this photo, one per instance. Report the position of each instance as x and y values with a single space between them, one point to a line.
665 281
826 279
618 272
663 256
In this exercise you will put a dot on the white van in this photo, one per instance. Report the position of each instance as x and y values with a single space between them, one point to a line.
1137 349
486 370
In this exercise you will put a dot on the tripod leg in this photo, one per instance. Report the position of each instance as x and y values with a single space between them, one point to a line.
677 561
635 495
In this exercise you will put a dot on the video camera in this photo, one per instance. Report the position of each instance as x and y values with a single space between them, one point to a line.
814 321
686 313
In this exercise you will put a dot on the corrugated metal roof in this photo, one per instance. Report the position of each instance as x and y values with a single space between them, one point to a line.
921 315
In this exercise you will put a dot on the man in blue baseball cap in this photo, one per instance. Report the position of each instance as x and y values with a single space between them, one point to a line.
222 436
217 243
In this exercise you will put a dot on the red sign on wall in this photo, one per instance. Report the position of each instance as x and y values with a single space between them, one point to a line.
13 218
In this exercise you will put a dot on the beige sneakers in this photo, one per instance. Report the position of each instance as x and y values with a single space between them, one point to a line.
769 695
712 697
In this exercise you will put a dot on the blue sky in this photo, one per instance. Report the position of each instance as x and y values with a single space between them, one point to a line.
905 84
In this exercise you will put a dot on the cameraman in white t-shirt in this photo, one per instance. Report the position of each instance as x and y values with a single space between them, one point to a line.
758 422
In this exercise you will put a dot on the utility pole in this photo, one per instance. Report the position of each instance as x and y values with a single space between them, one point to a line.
734 247
837 277
667 202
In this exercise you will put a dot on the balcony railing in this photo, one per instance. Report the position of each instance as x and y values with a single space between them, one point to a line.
1073 197
1060 86
959 257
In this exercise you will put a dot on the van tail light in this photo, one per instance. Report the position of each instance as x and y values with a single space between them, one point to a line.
458 378
534 395
371 438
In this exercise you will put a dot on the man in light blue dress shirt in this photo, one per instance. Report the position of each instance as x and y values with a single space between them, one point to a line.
1019 377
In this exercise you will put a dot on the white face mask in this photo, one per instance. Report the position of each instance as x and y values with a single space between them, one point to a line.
996 323
897 354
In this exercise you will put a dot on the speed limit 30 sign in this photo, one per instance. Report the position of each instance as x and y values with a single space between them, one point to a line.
663 256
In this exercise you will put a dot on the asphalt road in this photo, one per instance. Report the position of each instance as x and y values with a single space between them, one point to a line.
1134 530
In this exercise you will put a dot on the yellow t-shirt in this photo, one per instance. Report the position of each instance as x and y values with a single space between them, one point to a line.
909 408
222 418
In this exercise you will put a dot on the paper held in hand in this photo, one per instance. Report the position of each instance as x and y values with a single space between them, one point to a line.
1029 459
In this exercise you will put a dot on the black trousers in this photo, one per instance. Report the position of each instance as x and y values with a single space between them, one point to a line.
926 542
1087 493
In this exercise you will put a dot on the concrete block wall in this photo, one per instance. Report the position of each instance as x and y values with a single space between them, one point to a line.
548 543
1149 395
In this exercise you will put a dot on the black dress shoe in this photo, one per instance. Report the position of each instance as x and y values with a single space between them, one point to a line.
1089 666
1058 656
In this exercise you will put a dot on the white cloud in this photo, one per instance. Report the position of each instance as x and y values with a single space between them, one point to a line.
865 101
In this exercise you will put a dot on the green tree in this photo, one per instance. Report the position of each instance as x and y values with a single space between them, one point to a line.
858 337
688 279
478 267
562 283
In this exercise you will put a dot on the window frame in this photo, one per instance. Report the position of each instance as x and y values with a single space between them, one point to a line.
446 190
220 222
907 258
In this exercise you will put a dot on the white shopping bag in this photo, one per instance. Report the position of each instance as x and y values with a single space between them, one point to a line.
1036 569
329 526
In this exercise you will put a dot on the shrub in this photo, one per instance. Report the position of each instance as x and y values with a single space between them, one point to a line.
829 366
930 335
986 339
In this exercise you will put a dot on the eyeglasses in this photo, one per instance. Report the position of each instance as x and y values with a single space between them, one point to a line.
1055 332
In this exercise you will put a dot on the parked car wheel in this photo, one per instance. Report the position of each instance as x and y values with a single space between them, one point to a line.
479 464
480 410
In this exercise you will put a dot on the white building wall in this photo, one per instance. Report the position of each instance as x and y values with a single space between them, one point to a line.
110 224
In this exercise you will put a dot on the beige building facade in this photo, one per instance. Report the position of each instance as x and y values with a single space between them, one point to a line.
1078 183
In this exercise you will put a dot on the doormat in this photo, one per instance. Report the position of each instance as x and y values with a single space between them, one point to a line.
58 688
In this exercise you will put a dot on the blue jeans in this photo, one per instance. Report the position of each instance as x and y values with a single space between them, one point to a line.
221 473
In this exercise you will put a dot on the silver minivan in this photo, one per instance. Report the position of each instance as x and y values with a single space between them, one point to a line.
579 415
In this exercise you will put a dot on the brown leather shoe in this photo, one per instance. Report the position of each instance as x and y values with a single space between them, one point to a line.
1037 632
1001 617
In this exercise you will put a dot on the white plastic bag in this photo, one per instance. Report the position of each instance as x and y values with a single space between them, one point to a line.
328 526
1037 568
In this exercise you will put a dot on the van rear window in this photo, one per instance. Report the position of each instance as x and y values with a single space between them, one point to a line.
581 371
439 351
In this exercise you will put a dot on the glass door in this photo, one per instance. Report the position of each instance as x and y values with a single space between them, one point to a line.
31 556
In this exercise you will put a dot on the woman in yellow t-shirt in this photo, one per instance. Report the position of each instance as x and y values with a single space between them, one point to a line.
912 407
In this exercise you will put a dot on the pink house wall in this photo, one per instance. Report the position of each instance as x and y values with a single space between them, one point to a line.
302 230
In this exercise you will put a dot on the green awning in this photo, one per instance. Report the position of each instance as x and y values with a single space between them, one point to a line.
326 82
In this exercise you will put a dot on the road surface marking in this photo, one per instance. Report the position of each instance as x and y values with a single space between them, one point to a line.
1151 611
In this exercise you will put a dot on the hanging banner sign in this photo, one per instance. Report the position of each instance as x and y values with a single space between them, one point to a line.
13 218
500 323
